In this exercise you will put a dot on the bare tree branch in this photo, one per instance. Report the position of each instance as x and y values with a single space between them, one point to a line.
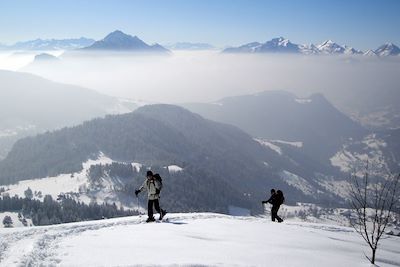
378 197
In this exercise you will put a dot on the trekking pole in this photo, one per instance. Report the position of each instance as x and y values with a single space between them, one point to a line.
137 198
263 205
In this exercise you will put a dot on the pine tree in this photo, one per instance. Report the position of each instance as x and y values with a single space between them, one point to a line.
28 193
7 221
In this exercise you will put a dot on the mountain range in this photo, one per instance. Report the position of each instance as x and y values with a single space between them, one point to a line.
50 44
283 45
120 41
219 164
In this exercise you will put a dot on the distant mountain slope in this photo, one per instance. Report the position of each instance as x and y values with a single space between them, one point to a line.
309 131
34 100
119 41
218 160
280 115
391 148
30 104
374 107
42 60
45 57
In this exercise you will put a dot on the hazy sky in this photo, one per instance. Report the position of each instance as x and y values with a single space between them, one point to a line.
362 24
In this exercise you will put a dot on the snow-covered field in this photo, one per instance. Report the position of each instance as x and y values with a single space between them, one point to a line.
193 239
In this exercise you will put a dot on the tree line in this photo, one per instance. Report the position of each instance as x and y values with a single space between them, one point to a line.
63 210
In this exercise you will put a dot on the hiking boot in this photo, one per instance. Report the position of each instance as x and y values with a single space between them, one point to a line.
150 219
162 214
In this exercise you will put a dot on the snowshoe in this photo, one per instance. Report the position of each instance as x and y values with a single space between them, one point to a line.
162 214
150 219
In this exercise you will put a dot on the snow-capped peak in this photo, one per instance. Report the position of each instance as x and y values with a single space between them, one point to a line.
351 51
278 44
370 53
280 41
389 44
330 47
118 36
388 49
308 49
327 42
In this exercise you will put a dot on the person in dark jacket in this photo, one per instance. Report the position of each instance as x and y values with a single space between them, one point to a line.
153 187
276 200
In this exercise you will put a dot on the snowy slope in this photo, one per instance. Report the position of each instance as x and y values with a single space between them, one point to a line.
63 183
355 153
298 182
78 185
202 239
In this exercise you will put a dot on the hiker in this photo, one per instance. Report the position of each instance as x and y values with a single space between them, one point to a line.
276 200
153 187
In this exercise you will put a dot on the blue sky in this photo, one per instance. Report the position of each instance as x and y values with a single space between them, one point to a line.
360 23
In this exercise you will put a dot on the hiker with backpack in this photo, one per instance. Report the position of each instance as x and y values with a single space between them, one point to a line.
276 200
153 185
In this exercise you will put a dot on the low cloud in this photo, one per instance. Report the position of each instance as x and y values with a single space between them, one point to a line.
209 75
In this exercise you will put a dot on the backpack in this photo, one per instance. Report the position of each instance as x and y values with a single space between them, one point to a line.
158 178
280 197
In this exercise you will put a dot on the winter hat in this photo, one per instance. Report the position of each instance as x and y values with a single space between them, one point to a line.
149 173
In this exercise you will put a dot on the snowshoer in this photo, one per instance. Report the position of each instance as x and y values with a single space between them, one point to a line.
276 200
153 187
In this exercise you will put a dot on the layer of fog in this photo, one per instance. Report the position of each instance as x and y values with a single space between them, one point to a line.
15 60
209 75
